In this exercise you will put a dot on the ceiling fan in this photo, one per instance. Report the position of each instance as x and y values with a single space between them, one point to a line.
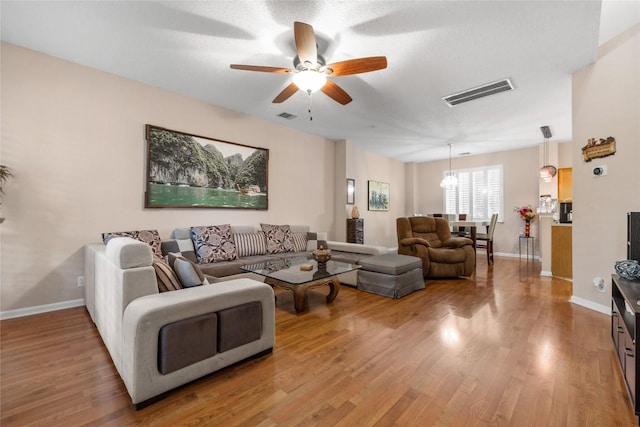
310 71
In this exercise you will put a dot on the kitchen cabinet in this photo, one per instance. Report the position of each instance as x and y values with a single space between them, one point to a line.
565 185
561 251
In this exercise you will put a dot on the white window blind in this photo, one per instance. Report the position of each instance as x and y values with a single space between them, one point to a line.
479 193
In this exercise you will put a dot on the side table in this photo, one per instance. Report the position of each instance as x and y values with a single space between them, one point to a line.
527 241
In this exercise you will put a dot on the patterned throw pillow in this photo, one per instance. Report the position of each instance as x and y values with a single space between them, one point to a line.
166 277
214 243
279 238
150 237
182 247
249 244
299 241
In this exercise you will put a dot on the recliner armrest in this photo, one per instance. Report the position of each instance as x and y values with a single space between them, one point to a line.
409 241
456 242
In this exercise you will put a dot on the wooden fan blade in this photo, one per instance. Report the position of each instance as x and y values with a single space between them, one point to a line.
305 43
285 94
260 68
336 93
357 66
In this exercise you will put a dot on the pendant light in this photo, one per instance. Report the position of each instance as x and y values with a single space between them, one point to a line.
449 181
547 172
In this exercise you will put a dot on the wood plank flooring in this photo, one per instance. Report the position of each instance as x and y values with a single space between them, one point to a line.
504 348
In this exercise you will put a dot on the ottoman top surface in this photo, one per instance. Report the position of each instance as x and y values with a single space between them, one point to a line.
392 264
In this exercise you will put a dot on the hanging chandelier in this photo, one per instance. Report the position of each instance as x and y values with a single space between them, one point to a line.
547 172
449 181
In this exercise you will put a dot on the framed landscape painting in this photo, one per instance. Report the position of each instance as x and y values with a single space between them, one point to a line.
378 196
191 171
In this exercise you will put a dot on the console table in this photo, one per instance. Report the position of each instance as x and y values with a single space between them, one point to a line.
355 230
625 330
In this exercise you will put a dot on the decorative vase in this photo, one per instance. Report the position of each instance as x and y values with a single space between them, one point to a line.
354 212
527 228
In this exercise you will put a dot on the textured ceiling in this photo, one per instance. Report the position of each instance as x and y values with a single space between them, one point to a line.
433 49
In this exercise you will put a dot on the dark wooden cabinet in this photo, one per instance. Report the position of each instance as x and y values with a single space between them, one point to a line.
355 230
625 329
633 235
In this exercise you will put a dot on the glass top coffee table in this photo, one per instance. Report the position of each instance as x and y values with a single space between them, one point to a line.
286 273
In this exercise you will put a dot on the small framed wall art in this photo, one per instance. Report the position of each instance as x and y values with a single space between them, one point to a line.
378 196
351 191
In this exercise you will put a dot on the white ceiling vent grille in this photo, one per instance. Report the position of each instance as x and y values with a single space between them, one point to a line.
287 116
478 92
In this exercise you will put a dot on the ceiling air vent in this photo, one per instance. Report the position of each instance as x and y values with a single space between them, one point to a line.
287 116
478 92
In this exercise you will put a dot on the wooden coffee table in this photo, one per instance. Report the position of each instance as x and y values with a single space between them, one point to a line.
285 273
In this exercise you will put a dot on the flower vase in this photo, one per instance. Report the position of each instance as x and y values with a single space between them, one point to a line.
527 228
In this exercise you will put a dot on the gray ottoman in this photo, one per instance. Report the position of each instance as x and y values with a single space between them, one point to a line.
390 275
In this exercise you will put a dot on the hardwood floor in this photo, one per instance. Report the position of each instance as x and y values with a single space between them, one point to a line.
503 348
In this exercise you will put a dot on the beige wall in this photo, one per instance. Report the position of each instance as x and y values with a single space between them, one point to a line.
361 165
74 137
521 178
606 102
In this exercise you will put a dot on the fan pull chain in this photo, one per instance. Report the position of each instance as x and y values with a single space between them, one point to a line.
310 104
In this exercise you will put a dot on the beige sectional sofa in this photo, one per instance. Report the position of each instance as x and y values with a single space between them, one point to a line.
159 341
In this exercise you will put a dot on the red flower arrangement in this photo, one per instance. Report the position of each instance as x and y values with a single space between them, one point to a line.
526 212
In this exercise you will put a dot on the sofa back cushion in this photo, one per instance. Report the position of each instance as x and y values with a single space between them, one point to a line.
279 238
250 244
150 237
214 243
183 247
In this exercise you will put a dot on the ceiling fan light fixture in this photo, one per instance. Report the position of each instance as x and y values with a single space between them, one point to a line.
309 80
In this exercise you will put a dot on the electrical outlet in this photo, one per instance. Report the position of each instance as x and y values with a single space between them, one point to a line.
80 281
598 282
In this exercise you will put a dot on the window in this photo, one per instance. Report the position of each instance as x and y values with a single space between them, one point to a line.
479 193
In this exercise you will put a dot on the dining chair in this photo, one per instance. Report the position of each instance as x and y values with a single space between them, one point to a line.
460 231
485 240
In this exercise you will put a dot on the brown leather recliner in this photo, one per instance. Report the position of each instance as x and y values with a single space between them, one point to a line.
430 240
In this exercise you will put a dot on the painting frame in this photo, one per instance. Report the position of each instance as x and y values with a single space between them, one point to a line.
185 170
351 191
378 195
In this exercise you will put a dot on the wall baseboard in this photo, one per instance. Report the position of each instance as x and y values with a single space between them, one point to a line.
507 255
28 311
591 305
545 273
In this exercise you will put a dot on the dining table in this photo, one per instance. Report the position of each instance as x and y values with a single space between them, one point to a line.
473 227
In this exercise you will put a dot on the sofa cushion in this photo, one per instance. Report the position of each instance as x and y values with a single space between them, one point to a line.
249 244
183 247
165 276
214 243
299 241
188 272
150 237
278 237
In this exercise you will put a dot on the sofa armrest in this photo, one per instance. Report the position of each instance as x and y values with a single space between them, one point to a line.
357 248
144 317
